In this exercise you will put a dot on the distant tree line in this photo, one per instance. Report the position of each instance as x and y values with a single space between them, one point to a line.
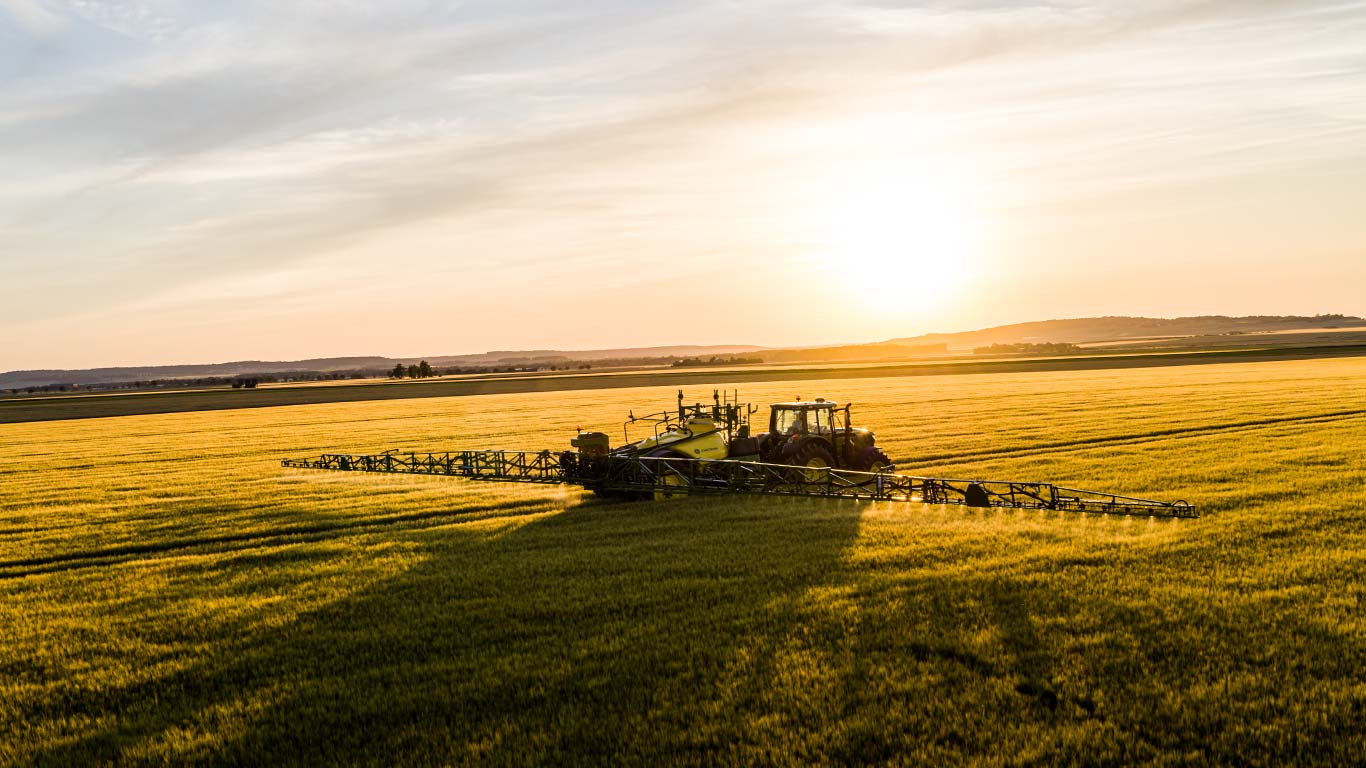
248 381
686 362
1048 348
41 389
424 370
466 369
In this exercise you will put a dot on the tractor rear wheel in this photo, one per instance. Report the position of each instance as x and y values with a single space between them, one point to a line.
815 462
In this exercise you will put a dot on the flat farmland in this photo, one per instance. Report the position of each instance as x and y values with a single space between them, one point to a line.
170 594
49 407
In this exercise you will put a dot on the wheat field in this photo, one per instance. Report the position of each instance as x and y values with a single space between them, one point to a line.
170 594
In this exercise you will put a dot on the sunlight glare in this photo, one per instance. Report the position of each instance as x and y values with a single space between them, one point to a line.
905 243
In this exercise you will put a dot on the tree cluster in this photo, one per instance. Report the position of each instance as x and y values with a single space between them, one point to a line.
1047 348
686 362
422 370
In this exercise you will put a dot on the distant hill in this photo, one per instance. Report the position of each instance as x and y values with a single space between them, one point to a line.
1074 331
629 353
850 352
1093 329
40 378
43 378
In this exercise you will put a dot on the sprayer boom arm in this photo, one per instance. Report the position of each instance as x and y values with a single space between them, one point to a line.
643 475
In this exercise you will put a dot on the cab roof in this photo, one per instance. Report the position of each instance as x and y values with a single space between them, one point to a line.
806 404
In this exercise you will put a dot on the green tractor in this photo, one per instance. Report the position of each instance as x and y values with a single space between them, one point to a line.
813 435
819 434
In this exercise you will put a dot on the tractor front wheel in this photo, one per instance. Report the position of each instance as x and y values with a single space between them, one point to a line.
872 460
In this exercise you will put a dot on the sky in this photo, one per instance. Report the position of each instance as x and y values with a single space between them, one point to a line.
192 182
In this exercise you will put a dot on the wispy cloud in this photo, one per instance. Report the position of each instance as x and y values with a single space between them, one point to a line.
154 150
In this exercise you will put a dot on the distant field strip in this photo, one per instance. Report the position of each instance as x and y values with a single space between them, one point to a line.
1144 437
19 410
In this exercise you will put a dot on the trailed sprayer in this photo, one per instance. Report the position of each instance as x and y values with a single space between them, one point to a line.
809 448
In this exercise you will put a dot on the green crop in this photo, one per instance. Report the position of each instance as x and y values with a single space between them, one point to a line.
170 594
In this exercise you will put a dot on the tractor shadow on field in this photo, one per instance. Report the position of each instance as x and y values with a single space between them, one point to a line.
601 630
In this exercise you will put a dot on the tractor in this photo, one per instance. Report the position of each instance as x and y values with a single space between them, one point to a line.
814 435
817 434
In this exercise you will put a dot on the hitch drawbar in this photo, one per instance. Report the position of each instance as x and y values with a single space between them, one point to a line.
660 477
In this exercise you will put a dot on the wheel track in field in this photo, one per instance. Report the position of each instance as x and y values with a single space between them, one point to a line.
240 542
1146 437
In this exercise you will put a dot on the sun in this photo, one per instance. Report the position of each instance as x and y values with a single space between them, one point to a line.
903 243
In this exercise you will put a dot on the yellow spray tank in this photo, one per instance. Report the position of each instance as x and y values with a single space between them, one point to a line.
696 438
703 433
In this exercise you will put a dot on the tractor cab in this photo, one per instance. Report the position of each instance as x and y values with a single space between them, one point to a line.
803 418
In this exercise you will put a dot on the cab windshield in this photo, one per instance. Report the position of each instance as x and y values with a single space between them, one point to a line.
802 421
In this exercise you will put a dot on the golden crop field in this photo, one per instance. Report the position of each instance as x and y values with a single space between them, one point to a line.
169 593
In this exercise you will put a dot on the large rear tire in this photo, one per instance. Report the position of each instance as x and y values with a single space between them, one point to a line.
814 462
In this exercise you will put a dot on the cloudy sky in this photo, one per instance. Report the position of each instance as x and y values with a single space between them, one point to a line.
199 182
